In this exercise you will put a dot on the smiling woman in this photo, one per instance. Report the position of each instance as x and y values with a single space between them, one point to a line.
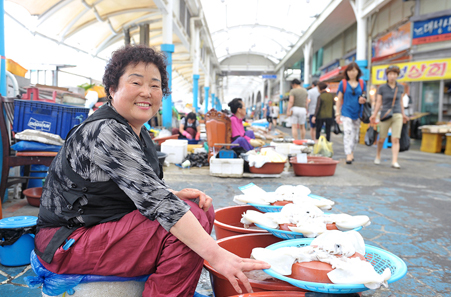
105 191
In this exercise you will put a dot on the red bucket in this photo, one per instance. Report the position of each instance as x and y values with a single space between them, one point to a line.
227 222
242 246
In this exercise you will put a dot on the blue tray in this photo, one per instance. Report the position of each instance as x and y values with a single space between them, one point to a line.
276 208
378 257
289 234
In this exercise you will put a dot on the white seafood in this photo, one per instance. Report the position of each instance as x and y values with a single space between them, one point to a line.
333 247
296 194
256 217
309 219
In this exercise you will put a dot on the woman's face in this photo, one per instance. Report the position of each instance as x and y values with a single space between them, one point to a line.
392 76
352 74
138 95
242 111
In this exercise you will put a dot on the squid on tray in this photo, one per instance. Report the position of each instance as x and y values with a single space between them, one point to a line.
333 247
304 218
296 194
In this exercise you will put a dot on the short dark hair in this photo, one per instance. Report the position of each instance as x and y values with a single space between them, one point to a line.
235 104
352 65
392 68
295 82
191 116
315 83
132 55
322 85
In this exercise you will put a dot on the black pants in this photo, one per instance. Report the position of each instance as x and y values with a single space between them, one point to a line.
319 124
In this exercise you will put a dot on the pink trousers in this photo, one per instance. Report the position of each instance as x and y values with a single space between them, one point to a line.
134 246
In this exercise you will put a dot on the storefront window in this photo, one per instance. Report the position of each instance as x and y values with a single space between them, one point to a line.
430 101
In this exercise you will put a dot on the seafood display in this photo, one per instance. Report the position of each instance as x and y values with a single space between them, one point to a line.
342 252
295 194
305 218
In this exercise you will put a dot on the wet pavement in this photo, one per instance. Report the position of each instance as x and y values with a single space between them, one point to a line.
409 210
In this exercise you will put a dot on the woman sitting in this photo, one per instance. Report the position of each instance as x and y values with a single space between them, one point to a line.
246 140
105 191
188 127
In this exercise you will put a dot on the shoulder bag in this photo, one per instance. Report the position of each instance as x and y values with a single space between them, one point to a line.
388 115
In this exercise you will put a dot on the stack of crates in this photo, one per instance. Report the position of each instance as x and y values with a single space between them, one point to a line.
47 117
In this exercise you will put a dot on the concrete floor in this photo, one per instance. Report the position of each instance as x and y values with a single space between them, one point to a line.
409 210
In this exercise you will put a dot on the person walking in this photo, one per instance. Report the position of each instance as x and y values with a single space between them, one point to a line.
274 114
392 115
350 91
324 112
313 95
297 108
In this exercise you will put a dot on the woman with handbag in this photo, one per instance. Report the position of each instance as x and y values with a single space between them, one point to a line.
351 92
392 115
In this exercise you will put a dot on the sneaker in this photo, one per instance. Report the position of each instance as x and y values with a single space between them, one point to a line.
395 165
377 161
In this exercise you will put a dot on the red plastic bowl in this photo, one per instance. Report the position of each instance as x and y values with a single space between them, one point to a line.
33 196
242 245
300 141
315 167
227 221
269 168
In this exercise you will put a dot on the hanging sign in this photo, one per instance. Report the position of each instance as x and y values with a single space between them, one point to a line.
432 30
393 42
269 76
415 71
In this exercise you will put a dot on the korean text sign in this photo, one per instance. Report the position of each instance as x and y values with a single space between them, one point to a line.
415 71
432 30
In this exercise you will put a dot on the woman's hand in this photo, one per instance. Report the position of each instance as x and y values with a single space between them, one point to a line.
313 120
362 100
289 113
232 267
405 118
338 119
373 119
205 201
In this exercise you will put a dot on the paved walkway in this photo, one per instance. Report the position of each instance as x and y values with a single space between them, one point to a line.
409 209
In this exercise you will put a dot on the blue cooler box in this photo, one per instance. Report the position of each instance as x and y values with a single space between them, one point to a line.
18 253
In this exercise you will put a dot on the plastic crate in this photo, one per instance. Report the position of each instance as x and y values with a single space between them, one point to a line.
48 117
226 167
227 154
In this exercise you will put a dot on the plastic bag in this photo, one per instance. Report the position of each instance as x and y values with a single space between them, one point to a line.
39 136
365 112
323 147
10 236
404 141
35 146
55 284
370 136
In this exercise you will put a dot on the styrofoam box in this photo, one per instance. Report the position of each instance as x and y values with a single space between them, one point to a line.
226 167
281 147
296 149
177 149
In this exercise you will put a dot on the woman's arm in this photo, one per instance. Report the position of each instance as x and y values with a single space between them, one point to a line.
318 106
189 231
338 105
376 109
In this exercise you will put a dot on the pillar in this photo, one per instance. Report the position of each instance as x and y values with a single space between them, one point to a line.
213 105
143 34
206 99
3 90
168 48
307 53
195 91
362 36
196 63
281 80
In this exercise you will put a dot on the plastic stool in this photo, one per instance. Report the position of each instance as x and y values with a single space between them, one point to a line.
387 143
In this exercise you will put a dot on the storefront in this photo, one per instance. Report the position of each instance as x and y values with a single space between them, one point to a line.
434 79
431 38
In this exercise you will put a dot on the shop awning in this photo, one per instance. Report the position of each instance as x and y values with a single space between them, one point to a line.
333 75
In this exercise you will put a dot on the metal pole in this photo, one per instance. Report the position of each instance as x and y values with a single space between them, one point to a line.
168 48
